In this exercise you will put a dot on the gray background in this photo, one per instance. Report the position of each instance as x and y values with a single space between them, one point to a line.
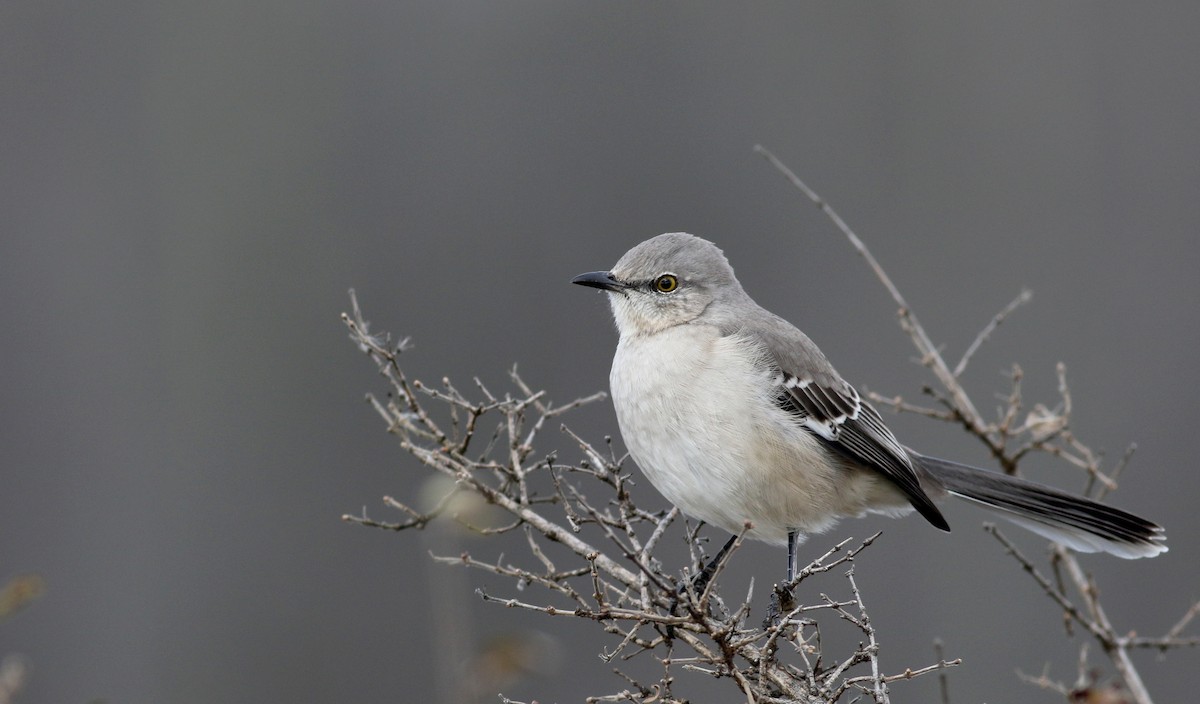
190 188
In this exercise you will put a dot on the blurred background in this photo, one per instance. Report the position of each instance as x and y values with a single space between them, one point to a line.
189 189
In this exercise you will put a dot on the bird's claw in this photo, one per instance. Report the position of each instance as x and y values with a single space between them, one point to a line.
782 603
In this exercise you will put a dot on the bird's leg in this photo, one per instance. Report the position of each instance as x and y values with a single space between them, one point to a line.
781 596
699 582
791 573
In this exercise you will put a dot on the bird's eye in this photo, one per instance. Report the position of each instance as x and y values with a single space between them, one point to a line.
666 283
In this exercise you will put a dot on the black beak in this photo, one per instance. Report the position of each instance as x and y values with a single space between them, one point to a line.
599 279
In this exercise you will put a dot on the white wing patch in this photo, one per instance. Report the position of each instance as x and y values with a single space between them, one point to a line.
826 411
836 413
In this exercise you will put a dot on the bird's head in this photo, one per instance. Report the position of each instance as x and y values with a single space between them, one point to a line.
668 280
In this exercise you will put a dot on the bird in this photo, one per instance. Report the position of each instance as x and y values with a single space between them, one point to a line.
738 419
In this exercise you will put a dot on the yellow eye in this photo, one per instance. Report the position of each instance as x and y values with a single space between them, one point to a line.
666 283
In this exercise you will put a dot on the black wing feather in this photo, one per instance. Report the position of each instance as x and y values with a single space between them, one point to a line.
836 414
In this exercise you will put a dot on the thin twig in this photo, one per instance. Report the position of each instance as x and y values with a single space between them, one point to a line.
1022 298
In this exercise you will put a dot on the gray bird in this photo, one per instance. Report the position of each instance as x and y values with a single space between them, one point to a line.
734 415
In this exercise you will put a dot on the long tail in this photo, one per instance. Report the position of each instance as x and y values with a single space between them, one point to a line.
1080 524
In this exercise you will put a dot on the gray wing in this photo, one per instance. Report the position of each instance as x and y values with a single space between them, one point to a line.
831 409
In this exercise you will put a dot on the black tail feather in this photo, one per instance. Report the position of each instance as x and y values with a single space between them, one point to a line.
1077 522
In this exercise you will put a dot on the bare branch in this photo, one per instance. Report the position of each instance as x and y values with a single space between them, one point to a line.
1022 298
1184 621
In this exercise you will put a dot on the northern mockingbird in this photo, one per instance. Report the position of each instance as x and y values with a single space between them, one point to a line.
735 416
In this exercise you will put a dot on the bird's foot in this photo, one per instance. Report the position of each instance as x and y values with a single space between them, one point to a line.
699 582
682 597
694 585
782 603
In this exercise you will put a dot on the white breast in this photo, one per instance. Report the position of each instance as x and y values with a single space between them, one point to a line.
698 414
